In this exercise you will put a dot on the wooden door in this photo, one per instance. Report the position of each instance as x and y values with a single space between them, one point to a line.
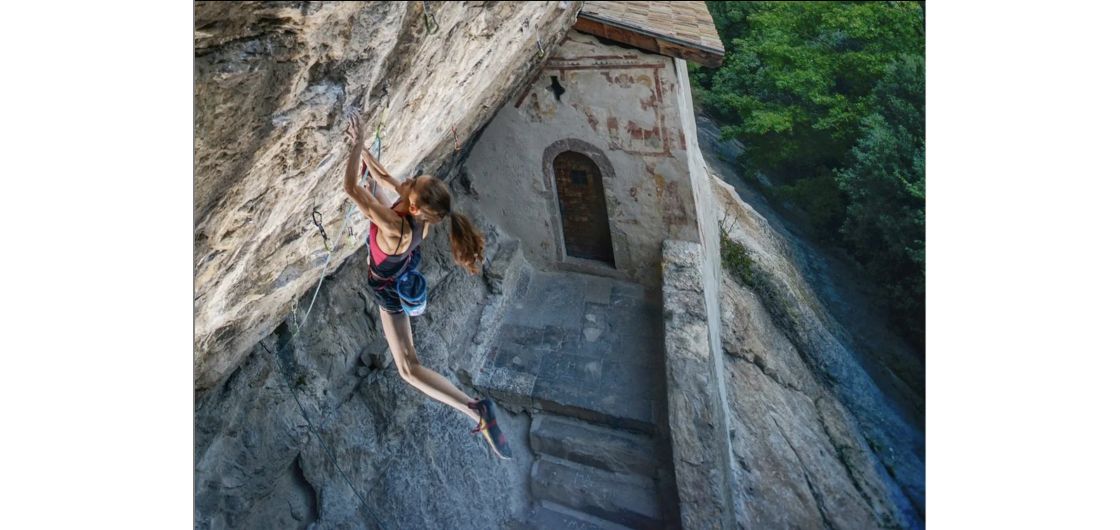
583 207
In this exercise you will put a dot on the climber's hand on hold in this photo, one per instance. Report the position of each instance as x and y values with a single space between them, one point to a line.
354 130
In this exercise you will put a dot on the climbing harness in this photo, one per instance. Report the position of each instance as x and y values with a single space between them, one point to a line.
429 19
317 218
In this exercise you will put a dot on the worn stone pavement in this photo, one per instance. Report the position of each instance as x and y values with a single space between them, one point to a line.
584 346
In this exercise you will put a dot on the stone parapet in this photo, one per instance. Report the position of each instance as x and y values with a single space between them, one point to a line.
697 413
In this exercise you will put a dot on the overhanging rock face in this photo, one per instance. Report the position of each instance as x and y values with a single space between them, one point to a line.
273 84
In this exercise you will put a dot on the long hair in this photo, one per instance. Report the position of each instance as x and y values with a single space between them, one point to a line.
467 243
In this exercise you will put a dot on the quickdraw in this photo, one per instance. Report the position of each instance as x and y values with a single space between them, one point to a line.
429 20
540 49
295 314
456 135
317 218
376 145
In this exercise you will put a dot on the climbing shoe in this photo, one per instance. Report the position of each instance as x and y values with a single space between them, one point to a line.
488 426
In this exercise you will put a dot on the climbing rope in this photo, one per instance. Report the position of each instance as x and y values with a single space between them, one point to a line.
345 218
429 19
376 148
317 218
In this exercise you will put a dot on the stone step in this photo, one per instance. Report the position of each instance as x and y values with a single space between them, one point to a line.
622 498
592 445
631 414
551 516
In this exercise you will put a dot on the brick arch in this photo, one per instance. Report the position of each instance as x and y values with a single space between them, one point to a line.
607 175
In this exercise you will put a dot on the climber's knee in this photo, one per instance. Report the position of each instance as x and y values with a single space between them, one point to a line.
409 368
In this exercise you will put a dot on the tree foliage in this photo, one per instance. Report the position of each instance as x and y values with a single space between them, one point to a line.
884 185
828 100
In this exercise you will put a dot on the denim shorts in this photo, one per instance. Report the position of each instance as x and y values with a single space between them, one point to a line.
386 294
386 297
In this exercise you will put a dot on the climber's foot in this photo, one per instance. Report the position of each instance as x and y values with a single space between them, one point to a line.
488 426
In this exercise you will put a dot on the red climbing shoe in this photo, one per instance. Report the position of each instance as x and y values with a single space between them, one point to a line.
488 426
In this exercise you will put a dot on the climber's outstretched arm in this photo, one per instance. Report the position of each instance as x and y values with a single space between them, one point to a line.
380 214
379 171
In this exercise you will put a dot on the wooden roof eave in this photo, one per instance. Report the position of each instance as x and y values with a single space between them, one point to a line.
649 41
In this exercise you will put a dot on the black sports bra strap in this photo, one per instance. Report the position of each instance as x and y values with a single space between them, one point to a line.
401 237
414 242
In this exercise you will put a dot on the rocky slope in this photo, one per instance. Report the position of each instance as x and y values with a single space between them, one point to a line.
817 443
847 295
273 83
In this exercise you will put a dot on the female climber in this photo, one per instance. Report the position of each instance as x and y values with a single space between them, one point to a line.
424 201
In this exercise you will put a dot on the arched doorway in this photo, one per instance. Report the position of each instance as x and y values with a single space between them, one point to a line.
583 207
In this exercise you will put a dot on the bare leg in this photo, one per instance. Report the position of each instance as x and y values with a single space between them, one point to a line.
398 331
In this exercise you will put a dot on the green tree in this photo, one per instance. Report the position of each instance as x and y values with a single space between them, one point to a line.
884 225
797 79
828 100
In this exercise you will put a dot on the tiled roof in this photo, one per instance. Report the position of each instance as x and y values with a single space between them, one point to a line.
678 29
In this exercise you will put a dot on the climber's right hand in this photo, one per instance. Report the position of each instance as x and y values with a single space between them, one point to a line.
354 130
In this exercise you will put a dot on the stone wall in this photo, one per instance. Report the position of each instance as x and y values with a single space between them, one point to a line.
273 84
622 108
708 225
696 422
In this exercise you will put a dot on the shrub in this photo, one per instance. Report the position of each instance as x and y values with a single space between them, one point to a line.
736 260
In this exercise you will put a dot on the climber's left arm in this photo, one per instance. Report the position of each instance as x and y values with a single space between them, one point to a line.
379 171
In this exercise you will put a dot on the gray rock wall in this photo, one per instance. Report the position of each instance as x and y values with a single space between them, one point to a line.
801 460
273 84
812 442
817 444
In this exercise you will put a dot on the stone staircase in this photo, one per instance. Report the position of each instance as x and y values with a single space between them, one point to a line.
590 477
583 355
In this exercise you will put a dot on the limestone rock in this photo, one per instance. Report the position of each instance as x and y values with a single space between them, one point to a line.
817 443
273 84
